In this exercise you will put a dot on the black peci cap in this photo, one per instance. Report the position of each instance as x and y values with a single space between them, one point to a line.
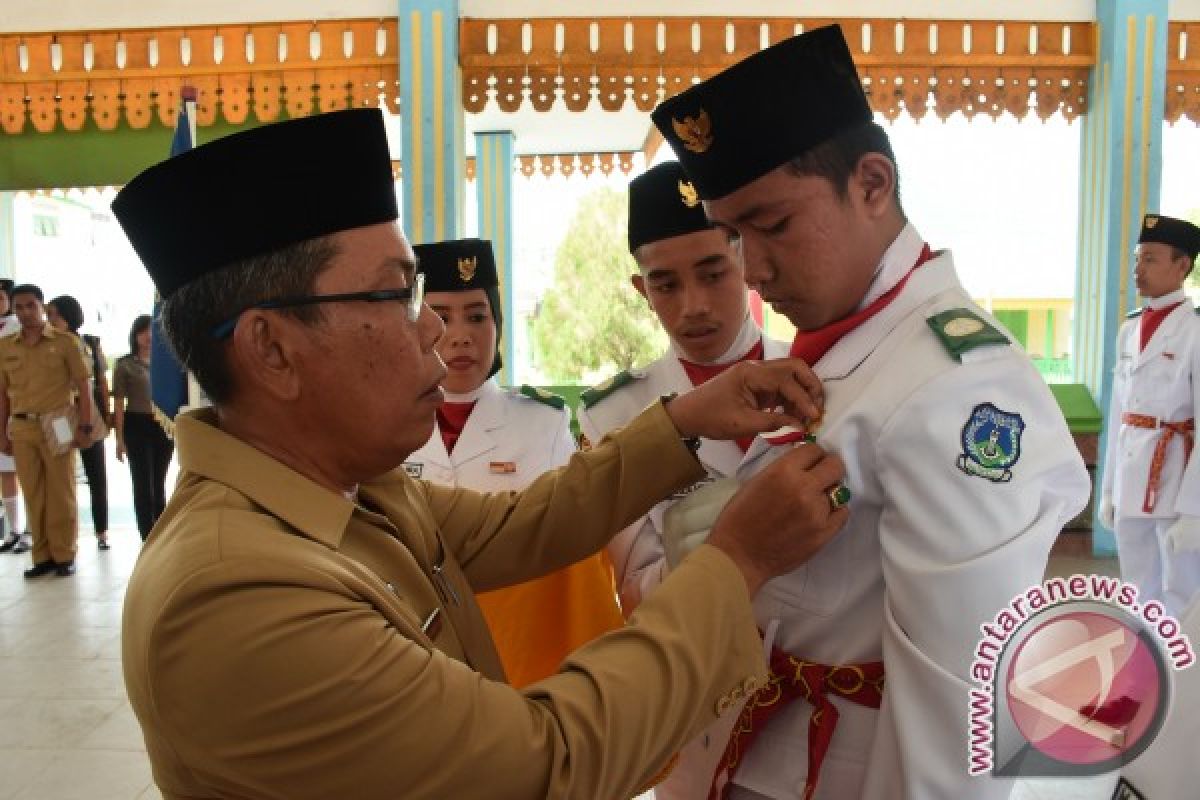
1175 232
457 265
663 204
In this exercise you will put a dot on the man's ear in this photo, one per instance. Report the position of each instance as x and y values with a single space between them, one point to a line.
873 182
262 353
639 283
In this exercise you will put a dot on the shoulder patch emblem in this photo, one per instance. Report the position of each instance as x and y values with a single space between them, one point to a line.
542 396
961 330
991 443
413 469
600 391
1137 312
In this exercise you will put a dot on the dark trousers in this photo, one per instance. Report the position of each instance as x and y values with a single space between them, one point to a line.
149 451
97 481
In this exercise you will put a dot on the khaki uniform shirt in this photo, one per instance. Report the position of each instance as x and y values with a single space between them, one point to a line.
40 377
281 641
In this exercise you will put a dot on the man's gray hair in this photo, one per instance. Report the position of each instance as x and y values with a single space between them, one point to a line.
190 314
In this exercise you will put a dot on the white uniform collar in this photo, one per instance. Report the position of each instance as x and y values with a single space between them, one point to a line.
1169 299
748 336
897 260
470 397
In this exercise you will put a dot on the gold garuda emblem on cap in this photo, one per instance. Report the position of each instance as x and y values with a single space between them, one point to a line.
695 132
1151 221
466 268
688 193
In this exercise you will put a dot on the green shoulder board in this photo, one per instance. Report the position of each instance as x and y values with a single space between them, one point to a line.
600 391
542 396
1137 312
961 330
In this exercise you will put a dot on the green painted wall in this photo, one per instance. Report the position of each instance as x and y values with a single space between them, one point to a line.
90 157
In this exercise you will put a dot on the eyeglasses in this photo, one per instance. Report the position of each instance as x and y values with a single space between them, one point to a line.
413 296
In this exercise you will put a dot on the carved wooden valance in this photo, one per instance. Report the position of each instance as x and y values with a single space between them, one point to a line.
1183 72
908 66
48 80
548 165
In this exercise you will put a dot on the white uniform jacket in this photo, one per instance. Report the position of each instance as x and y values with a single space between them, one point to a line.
637 553
1162 381
931 550
508 440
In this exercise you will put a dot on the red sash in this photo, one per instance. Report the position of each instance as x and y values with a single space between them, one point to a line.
792 678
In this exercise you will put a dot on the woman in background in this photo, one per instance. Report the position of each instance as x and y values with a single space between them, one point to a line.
492 439
65 314
138 433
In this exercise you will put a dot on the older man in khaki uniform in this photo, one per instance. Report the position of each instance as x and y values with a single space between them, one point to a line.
42 371
301 623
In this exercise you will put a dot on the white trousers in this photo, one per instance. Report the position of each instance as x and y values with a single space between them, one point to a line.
1142 551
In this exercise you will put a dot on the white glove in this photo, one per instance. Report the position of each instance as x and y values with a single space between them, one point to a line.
687 523
1184 534
1108 514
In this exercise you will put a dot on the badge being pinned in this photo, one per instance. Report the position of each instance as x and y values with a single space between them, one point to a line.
991 442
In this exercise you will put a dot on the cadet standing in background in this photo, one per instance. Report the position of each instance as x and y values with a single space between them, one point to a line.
493 440
690 276
1151 490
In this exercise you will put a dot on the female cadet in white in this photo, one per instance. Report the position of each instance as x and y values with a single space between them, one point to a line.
1154 509
961 466
689 275
492 439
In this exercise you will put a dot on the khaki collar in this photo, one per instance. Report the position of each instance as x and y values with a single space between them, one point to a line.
310 508
48 332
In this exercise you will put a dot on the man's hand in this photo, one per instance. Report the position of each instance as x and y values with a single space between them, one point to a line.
781 516
1108 514
1184 534
748 398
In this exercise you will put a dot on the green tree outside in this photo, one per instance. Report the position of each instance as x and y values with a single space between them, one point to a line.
591 320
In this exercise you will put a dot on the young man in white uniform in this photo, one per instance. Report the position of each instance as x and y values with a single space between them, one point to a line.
492 440
1151 496
691 278
961 466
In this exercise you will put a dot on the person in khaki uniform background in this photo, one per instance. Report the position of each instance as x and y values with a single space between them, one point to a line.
42 370
301 622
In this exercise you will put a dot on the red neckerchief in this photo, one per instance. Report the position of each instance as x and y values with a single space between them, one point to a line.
452 418
813 345
702 373
1151 319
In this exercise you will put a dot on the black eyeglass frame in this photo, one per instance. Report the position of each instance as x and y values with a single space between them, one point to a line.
414 295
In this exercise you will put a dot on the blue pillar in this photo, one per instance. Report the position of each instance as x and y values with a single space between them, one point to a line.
1120 176
8 244
431 120
494 192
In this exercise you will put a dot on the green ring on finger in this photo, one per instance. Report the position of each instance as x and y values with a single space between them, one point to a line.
839 496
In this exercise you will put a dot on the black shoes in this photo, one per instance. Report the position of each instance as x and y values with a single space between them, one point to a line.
43 568
63 570
23 546
10 542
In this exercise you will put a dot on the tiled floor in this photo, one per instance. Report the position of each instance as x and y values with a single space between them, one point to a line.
66 729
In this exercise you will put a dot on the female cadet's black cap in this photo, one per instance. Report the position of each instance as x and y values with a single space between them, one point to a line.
663 204
256 191
764 111
1175 232
457 265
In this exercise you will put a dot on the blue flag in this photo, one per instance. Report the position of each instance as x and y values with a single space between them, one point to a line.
168 380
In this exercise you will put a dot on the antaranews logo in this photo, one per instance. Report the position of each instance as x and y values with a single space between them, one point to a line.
1073 678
